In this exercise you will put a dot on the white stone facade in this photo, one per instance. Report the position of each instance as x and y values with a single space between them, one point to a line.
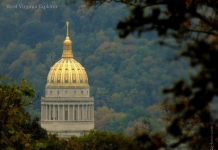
68 114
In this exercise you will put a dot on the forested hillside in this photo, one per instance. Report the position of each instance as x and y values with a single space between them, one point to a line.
126 75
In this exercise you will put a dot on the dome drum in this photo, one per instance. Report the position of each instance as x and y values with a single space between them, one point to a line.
67 91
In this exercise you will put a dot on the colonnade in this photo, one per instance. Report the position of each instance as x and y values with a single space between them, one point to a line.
67 112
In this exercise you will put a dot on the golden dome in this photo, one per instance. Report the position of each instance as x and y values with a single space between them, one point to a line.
67 71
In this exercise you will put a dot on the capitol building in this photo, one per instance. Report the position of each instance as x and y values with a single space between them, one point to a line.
67 108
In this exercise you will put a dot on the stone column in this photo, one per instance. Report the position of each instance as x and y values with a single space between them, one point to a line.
93 112
63 113
84 107
45 112
81 112
51 111
68 112
90 112
73 113
48 112
85 112
53 114
42 112
58 112
78 112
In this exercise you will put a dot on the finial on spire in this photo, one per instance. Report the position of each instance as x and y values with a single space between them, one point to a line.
67 27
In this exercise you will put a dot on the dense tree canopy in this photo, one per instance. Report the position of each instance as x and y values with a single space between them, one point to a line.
93 140
17 130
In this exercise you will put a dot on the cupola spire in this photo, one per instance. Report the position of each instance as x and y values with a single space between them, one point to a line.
67 48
